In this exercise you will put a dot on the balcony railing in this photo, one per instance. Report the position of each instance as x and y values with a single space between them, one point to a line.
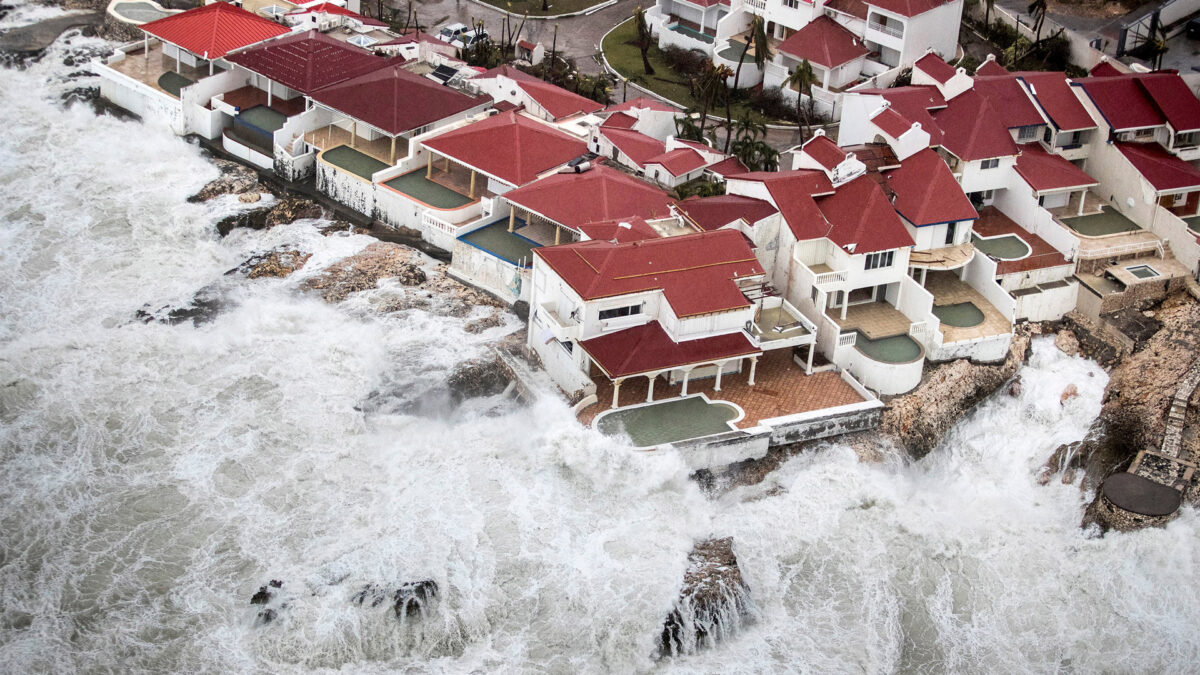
847 339
894 31
831 278
562 329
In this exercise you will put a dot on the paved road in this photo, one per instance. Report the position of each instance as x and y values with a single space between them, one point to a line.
38 36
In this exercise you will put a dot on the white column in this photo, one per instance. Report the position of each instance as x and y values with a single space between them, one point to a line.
270 93
686 374
650 393
617 390
811 348
1082 199
720 367
753 367
146 45
845 303
924 273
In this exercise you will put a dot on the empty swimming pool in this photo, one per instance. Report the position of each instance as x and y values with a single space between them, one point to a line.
1142 271
262 118
669 421
959 315
893 349
1003 247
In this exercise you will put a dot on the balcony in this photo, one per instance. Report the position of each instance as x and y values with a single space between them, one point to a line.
894 31
826 276
563 329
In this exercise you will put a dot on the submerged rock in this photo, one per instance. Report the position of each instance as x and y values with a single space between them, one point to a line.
477 378
713 602
276 264
203 306
1067 343
234 179
262 597
411 599
285 211
364 271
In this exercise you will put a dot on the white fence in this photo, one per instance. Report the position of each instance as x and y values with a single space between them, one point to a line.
981 275
1183 242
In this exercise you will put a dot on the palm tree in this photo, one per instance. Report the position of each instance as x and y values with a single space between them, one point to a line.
708 86
1037 12
762 53
644 38
801 79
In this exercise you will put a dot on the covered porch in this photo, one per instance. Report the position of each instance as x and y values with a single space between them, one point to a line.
454 175
150 66
384 148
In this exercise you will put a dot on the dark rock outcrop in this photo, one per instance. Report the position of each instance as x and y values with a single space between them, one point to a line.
234 179
477 378
276 264
412 599
287 210
364 270
713 602
918 420
203 306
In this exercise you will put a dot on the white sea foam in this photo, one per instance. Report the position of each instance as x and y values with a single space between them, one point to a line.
155 476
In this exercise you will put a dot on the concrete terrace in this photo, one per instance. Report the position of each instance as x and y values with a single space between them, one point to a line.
993 223
248 97
874 319
948 289
781 388
149 68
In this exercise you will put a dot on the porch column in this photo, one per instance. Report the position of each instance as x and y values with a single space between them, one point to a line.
392 156
178 65
429 167
686 374
210 68
557 235
446 168
720 369
270 92
845 303
924 273
353 131
753 368
650 393
512 219
146 46
617 390
471 194
812 347
1082 199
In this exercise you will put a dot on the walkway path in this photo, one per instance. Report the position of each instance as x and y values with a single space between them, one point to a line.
36 37
1168 466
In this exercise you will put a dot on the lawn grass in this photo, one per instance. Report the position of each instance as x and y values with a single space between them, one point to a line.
534 7
624 56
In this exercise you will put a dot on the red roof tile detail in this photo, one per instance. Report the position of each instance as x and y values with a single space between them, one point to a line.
1164 171
824 151
860 213
856 8
712 213
307 61
558 102
639 147
648 348
1009 101
933 65
620 231
1055 96
679 161
413 35
598 195
824 42
697 273
971 129
926 192
1044 171
509 146
214 30
1122 102
330 8
915 103
618 121
990 69
394 100
641 102
891 122
1104 69
729 167
908 8
1176 101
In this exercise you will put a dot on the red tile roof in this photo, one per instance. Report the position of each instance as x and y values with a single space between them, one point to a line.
330 8
697 273
856 8
639 103
824 42
395 100
639 147
558 102
1122 102
619 121
972 129
824 151
598 195
1176 101
307 61
933 65
1009 101
679 161
908 8
711 213
648 348
1104 69
926 192
891 122
860 213
213 30
1044 171
629 229
509 146
729 167
1055 96
990 68
413 35
1164 171
916 104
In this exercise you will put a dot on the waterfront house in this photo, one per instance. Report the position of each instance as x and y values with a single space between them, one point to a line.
541 99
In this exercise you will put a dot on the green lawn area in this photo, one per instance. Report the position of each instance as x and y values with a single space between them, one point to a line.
624 56
534 7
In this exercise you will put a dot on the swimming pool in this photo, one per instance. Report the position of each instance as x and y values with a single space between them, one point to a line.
1101 224
959 315
1002 247
893 349
669 421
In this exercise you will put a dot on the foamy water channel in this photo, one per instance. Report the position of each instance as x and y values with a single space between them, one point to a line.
155 476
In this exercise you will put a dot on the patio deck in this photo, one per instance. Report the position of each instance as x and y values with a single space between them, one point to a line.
948 289
1092 204
148 68
776 323
352 161
876 320
993 223
330 137
249 97
497 240
1106 223
416 185
781 388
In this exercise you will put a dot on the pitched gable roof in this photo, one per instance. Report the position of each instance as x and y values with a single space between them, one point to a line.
1173 97
1008 100
908 8
824 42
1122 102
648 348
712 213
625 230
394 100
1055 96
637 146
891 122
214 30
1164 171
509 146
926 192
860 214
558 102
597 195
990 68
971 129
933 65
824 151
307 61
1044 171
729 167
679 161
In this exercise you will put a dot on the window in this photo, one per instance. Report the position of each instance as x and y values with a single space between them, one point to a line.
1143 133
990 163
620 311
814 294
1027 133
791 4
615 153
1180 199
568 346
950 230
880 260
362 41
1047 135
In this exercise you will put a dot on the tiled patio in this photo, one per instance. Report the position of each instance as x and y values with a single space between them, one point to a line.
948 289
454 176
781 388
993 223
147 68
248 97
876 320
1092 203
331 136
1091 248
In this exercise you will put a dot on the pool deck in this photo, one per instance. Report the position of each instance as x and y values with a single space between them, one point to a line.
876 320
781 388
330 136
147 68
1167 268
992 223
249 97
948 289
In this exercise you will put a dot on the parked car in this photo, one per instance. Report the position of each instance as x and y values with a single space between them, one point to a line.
468 39
452 32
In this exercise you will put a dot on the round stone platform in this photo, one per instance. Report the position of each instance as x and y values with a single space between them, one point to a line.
1141 495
